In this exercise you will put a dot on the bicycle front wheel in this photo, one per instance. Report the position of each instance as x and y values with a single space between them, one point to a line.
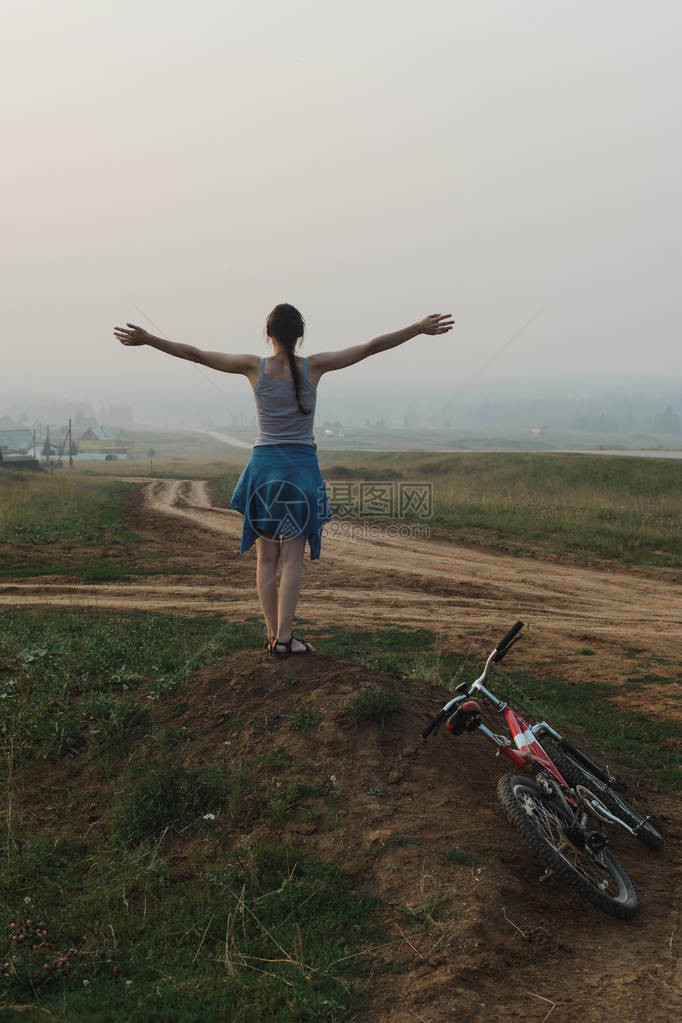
542 820
576 773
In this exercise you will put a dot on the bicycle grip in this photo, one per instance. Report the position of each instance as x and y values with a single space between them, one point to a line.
504 643
439 718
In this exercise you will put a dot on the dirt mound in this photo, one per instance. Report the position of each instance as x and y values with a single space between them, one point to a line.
473 934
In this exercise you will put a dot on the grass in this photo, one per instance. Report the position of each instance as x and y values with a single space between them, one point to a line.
65 524
588 711
582 507
46 509
105 927
166 795
305 717
373 703
268 934
134 870
67 675
579 506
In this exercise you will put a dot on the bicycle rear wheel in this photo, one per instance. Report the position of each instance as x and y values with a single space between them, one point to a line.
576 773
542 820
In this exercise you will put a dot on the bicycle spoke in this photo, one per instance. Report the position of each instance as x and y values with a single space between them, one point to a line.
551 829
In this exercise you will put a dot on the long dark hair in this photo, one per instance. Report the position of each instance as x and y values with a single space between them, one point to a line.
286 325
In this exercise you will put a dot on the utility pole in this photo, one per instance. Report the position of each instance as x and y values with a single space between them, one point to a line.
70 446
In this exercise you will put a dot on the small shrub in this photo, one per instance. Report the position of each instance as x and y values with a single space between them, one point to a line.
284 797
373 704
275 758
117 718
306 718
167 796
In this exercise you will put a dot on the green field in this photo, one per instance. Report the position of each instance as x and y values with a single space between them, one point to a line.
102 786
585 507
65 523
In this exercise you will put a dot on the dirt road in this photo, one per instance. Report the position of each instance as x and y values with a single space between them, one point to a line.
365 582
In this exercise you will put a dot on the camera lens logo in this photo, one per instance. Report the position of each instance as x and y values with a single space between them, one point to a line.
278 508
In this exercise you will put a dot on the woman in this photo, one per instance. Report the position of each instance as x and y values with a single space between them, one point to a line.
280 492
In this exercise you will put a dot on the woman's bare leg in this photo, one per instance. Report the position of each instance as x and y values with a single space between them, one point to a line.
267 556
291 561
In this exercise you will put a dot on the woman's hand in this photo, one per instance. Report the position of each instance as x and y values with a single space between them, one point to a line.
437 323
132 335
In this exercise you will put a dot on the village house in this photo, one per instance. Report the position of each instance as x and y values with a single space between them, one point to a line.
98 442
17 449
16 442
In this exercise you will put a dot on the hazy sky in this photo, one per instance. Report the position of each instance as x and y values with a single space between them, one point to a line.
370 161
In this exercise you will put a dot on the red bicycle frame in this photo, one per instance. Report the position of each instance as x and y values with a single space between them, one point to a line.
528 749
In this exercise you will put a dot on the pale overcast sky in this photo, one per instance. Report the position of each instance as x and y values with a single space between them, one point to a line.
370 161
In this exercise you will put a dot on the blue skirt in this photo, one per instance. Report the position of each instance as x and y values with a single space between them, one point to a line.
281 493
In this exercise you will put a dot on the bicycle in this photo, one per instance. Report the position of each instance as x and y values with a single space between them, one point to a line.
562 813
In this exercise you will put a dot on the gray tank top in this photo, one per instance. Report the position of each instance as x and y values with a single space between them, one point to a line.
280 420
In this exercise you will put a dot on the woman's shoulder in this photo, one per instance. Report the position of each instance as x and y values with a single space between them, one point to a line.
273 369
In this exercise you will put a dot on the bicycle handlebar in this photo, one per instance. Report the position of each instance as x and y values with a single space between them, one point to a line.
506 641
500 650
439 718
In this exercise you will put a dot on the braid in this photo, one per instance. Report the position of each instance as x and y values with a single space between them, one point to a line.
296 379
287 325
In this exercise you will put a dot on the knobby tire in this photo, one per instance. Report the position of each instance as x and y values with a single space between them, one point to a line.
539 817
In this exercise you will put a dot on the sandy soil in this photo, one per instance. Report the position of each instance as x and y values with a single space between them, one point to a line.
505 946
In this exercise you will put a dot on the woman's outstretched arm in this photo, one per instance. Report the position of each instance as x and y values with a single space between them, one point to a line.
133 336
326 362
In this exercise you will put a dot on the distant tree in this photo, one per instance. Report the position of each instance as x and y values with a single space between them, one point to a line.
596 424
668 422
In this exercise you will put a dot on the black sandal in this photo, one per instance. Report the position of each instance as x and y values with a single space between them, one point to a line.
288 652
